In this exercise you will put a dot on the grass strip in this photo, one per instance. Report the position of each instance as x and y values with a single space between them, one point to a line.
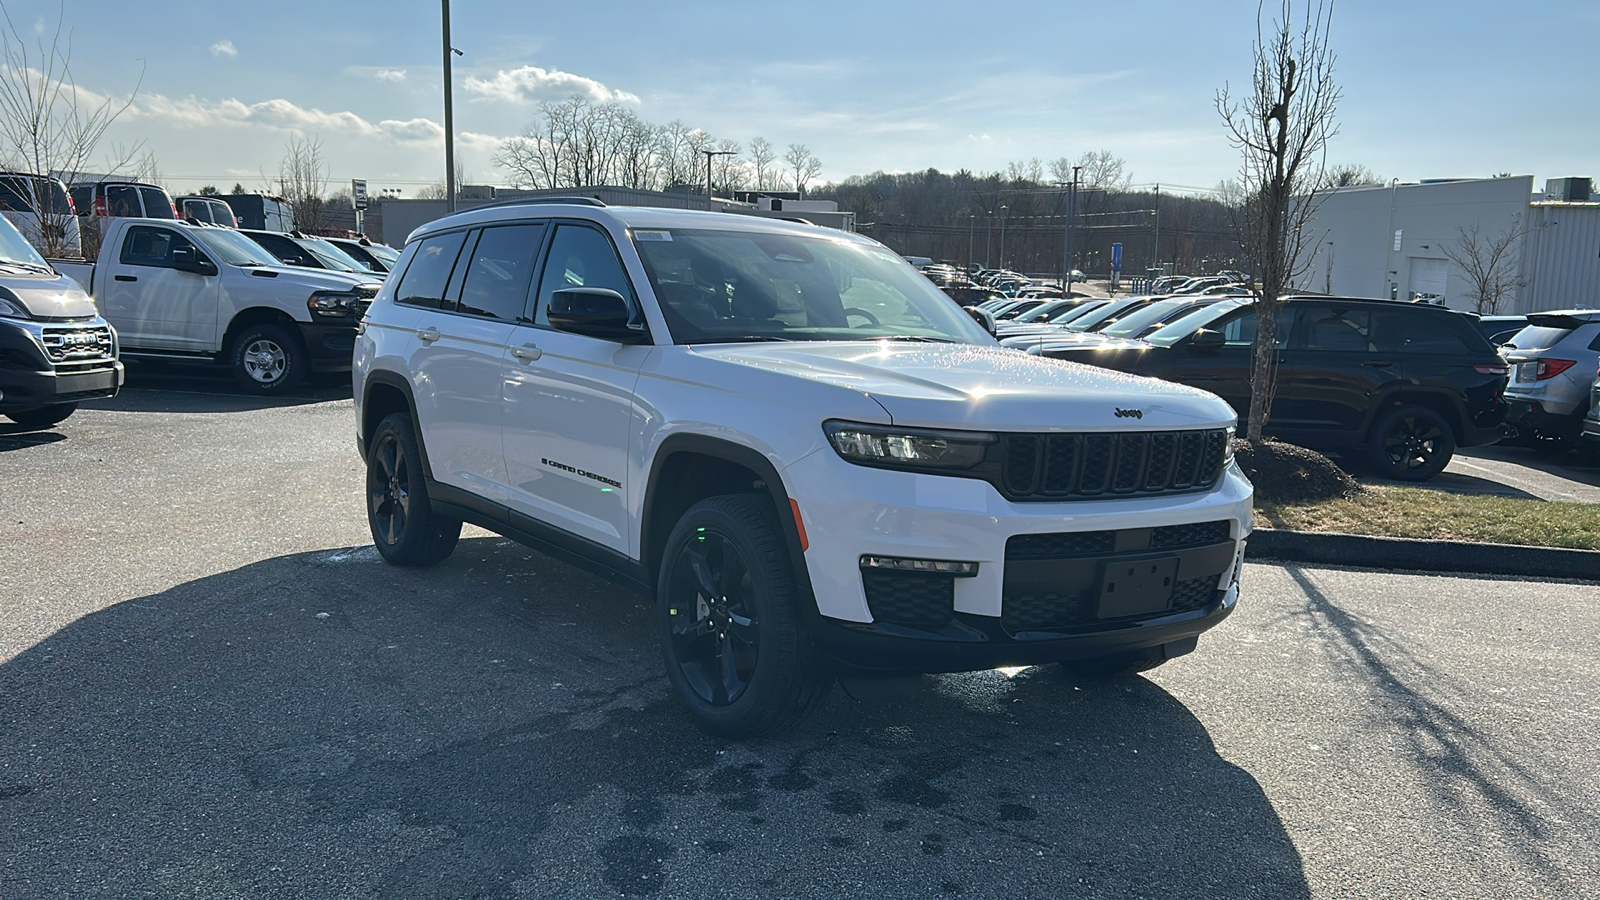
1388 511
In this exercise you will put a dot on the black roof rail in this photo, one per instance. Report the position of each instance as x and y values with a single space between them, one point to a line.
533 201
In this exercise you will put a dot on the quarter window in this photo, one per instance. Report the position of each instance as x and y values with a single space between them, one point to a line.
580 257
499 272
429 271
122 201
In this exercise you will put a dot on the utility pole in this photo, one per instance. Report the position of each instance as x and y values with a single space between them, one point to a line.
1159 270
709 154
988 237
971 220
449 115
1002 235
1071 234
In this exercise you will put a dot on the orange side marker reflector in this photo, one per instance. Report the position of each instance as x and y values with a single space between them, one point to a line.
799 525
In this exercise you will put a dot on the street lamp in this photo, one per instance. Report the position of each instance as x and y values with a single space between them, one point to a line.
1002 235
709 154
988 237
449 116
971 220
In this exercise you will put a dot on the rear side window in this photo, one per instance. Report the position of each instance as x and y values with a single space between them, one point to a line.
499 272
157 205
1338 330
1408 331
83 199
19 194
122 201
580 257
429 272
1538 337
11 196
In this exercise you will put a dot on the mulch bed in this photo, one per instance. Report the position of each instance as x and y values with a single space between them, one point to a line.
1284 473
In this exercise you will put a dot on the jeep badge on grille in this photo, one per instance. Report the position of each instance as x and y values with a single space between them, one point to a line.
1129 413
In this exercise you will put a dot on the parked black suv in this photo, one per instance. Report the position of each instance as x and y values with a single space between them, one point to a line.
1402 383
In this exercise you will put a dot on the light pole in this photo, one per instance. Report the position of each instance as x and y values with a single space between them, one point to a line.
1157 248
709 154
449 115
971 220
988 236
1002 235
1070 236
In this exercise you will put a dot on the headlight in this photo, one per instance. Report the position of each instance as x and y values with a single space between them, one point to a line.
1227 450
913 448
333 304
10 309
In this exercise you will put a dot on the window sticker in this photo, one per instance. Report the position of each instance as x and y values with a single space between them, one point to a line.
652 235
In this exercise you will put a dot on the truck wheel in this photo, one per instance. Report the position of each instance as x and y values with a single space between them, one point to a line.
737 651
404 527
1117 665
1412 443
267 358
42 416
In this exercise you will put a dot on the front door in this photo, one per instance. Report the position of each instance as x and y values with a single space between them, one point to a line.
153 305
569 402
1331 374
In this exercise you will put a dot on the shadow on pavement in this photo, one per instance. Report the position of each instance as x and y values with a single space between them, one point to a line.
1455 483
186 387
325 725
18 437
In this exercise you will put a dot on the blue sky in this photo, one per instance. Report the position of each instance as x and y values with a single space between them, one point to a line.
1431 89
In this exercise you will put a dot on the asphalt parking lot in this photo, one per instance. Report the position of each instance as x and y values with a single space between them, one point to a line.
210 686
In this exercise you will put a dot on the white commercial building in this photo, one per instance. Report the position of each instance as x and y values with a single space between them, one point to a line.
1396 241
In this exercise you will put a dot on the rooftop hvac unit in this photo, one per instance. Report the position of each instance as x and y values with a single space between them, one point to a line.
1568 190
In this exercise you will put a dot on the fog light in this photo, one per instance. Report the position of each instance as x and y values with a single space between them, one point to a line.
930 566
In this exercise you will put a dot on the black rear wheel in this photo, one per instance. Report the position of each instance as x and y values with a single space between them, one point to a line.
737 652
404 527
1410 443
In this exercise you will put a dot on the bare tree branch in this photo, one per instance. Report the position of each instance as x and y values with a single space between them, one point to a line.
1488 263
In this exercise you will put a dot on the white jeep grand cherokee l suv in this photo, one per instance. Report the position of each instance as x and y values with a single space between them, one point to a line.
808 455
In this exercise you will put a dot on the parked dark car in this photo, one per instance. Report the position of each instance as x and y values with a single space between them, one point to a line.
1499 329
377 257
1401 384
306 252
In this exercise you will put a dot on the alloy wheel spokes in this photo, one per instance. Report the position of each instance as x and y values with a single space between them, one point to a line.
713 637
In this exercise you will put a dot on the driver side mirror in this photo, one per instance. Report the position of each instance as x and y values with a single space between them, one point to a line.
595 312
1207 340
185 259
982 317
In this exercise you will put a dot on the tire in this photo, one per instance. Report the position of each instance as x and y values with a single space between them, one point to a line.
42 416
1411 443
736 648
267 358
404 527
1117 665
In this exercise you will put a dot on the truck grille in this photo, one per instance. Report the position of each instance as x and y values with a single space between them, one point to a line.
1088 466
73 348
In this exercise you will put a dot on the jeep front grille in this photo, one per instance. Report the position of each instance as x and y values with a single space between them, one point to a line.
1090 466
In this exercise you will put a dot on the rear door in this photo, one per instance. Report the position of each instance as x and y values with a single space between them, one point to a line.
1331 373
153 305
569 400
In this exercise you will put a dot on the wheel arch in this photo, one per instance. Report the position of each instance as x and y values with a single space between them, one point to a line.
256 315
688 468
382 395
1440 402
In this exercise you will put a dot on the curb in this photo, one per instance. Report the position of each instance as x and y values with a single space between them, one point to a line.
1422 555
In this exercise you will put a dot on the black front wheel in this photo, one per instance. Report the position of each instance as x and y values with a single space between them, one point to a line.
1411 443
42 416
737 652
405 529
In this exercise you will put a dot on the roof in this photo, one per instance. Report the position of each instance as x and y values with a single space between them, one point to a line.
631 217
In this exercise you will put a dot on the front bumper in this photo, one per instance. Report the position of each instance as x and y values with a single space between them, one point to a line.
30 379
329 346
1012 610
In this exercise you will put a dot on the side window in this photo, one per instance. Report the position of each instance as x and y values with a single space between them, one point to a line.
83 200
151 246
281 247
122 201
499 271
1241 330
11 199
157 205
579 257
429 271
1411 331
1339 330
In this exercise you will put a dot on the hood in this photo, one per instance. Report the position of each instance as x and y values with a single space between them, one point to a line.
967 386
1065 340
317 279
51 296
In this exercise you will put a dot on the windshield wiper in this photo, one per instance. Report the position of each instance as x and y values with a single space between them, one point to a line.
32 267
742 339
921 338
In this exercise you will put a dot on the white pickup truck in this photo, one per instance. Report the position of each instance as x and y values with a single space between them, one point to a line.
177 291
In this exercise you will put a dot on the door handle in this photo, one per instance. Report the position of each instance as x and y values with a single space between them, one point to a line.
527 352
1376 364
428 335
123 278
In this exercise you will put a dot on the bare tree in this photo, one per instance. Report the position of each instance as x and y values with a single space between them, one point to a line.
1488 263
805 166
48 126
761 158
1281 128
303 181
1102 170
1350 175
729 170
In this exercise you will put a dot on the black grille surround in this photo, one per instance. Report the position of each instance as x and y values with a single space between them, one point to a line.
1092 466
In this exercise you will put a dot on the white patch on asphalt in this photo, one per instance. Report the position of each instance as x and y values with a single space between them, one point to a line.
366 553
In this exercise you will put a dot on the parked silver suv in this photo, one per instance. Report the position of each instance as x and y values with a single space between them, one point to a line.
1553 362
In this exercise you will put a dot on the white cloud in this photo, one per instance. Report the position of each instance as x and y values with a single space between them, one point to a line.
280 115
224 48
531 84
392 75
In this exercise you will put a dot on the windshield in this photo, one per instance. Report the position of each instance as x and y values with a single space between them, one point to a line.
234 248
1168 335
384 252
1106 313
729 286
1045 311
330 256
1131 324
14 248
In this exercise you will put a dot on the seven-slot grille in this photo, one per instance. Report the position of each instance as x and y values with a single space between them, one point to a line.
73 348
1084 466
